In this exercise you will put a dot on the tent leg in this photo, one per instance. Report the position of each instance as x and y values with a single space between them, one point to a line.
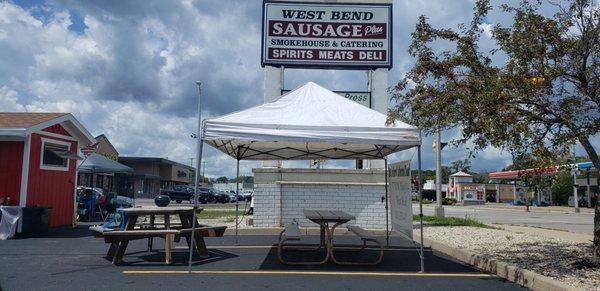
237 191
387 205
199 145
421 255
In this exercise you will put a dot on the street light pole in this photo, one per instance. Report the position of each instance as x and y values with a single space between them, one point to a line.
199 144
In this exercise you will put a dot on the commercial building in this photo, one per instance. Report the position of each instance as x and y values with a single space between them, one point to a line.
150 174
38 153
462 188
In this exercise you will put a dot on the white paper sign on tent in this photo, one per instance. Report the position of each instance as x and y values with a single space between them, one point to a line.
400 198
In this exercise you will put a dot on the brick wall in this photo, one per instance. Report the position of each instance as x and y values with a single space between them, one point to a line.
289 199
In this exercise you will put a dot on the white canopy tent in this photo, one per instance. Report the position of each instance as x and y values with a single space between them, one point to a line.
308 123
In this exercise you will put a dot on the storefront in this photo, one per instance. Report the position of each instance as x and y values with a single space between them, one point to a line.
152 174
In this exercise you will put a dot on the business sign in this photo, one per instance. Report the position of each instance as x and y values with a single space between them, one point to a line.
399 190
360 97
327 35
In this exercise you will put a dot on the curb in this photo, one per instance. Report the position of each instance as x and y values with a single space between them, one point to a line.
523 277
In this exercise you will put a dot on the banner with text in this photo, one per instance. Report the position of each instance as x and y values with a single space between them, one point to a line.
399 190
327 35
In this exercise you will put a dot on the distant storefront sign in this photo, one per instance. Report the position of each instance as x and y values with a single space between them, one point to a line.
360 97
327 35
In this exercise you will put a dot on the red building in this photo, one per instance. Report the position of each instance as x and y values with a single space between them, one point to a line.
38 166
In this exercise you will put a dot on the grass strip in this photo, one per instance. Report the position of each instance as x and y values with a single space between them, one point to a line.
227 215
450 221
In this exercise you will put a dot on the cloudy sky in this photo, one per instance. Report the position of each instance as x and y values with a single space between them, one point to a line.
127 69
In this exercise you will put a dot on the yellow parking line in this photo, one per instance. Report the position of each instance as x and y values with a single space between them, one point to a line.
318 273
270 246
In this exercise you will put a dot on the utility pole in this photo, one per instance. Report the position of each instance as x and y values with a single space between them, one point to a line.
575 189
191 165
439 208
203 169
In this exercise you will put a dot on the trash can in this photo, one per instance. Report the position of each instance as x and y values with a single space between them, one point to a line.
36 221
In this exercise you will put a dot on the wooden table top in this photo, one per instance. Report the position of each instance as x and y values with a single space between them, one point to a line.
158 210
327 215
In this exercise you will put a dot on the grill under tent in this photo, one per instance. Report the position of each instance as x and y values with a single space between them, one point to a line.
308 123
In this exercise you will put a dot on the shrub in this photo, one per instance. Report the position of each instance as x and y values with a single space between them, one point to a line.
428 194
448 201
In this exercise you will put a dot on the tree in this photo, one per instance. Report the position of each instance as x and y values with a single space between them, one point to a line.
541 99
222 179
460 165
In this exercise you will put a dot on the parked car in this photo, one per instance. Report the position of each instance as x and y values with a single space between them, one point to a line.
234 197
221 197
206 195
179 193
246 196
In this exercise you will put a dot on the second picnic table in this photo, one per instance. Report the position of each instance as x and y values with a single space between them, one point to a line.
323 218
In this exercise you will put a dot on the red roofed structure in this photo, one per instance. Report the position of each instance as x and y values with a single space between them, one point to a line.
38 167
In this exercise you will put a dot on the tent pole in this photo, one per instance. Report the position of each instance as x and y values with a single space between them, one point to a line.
237 203
421 255
387 205
199 145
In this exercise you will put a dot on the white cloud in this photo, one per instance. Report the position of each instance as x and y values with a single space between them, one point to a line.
9 100
130 73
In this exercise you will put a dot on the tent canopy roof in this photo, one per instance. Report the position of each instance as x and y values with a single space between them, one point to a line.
308 123
96 163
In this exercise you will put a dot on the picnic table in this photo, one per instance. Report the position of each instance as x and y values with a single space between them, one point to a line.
133 229
323 218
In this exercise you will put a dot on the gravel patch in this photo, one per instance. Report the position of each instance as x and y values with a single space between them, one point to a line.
551 257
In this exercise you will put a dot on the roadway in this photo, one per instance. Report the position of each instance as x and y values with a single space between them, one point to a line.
544 217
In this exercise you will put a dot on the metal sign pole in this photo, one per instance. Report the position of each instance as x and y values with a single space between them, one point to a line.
237 203
199 145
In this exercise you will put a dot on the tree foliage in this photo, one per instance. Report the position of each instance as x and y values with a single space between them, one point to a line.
222 179
540 98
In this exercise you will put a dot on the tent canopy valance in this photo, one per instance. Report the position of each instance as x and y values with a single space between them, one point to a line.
308 123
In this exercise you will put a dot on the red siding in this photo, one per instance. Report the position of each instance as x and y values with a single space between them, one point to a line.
58 129
51 188
11 165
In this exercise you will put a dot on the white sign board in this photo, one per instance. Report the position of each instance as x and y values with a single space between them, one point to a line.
327 35
362 98
399 190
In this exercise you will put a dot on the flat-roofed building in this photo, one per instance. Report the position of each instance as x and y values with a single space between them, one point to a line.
152 174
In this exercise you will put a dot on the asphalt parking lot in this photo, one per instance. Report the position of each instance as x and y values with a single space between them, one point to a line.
74 260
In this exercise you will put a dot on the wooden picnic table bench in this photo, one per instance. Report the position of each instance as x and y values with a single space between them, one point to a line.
119 239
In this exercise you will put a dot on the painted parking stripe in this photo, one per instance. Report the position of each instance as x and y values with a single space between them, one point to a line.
317 273
270 246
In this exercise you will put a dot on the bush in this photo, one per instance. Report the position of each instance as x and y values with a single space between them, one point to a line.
428 194
427 201
448 201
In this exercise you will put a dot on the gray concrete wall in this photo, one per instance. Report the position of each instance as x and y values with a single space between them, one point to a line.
280 195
